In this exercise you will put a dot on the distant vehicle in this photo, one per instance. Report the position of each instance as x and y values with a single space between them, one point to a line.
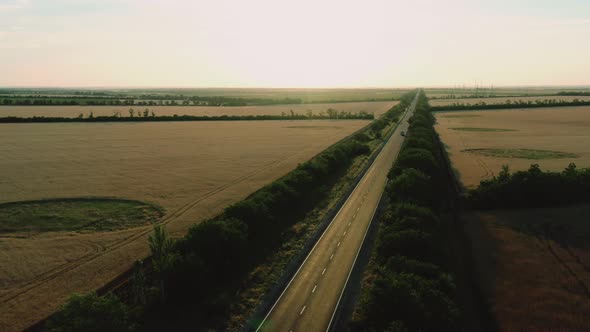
403 133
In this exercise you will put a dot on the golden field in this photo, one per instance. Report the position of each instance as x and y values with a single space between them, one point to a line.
565 129
376 107
192 169
531 282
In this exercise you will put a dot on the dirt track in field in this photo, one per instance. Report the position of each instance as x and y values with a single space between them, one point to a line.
377 107
193 169
564 129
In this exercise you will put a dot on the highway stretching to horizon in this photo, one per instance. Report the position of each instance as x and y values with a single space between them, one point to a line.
310 300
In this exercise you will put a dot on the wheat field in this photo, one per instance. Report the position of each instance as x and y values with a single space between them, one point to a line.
565 129
192 169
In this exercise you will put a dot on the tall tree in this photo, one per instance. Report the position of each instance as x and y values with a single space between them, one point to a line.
163 257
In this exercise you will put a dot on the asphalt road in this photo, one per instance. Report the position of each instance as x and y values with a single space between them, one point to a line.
309 301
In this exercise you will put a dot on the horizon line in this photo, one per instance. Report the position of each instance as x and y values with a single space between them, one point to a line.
456 86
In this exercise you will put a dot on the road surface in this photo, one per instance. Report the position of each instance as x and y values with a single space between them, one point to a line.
309 301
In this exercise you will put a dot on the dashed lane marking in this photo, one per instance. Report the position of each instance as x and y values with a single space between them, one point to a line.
302 310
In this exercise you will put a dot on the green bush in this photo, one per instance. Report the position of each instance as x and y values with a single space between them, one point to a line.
410 242
362 137
419 120
408 210
419 142
91 313
411 300
532 188
420 159
425 133
429 271
411 186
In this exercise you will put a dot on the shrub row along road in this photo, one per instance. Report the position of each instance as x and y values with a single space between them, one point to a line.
309 301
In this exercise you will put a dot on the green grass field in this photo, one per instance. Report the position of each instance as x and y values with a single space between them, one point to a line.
522 153
91 214
461 116
481 129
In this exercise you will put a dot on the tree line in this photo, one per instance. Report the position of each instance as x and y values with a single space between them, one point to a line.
511 104
150 116
481 96
573 93
142 100
531 188
200 273
407 287
67 101
152 100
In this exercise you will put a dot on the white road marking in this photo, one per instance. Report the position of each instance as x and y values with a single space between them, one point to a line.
338 245
344 233
354 216
331 256
355 190
330 324
349 223
366 176
302 310
314 287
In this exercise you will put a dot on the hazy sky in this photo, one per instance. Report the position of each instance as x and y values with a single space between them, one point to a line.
296 43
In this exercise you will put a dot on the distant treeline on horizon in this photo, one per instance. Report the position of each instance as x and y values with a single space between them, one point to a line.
510 104
150 116
103 99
